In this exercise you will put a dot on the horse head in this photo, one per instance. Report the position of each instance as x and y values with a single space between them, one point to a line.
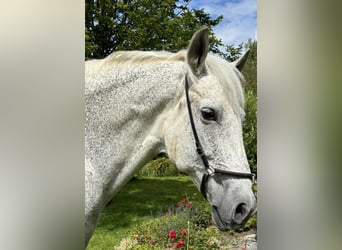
216 159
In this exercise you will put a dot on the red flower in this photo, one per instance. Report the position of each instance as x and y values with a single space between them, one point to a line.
178 204
182 232
137 238
172 234
184 201
176 245
189 205
179 244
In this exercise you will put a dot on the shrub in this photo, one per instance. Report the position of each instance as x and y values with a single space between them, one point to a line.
250 130
161 166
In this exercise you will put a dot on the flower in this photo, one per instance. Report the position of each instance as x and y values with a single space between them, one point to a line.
181 243
172 234
184 201
178 204
176 245
189 205
182 232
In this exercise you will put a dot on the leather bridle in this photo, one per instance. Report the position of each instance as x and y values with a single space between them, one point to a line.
209 170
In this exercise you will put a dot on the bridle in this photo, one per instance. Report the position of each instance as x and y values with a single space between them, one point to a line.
209 170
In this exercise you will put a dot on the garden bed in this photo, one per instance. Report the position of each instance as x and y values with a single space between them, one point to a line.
146 199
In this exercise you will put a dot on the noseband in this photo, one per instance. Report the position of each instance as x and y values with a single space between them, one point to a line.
209 170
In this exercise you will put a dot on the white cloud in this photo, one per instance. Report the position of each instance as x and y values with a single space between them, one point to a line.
239 18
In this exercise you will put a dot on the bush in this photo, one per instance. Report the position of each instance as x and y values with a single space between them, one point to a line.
250 130
161 166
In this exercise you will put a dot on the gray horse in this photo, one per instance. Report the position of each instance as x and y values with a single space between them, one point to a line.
138 104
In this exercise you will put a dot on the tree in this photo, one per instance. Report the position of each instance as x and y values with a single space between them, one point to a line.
113 25
89 44
232 53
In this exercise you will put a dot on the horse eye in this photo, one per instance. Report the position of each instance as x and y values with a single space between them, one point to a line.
208 114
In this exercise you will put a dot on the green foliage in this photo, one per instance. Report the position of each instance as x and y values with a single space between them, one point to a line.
179 227
250 69
232 53
251 223
143 25
89 43
161 166
250 129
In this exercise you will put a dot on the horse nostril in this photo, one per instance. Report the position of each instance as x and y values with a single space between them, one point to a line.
241 212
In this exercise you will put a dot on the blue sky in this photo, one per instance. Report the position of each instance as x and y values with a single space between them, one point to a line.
239 18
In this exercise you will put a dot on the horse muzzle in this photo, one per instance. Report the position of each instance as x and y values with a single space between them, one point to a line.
237 217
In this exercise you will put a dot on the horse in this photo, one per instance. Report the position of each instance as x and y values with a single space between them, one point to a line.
189 104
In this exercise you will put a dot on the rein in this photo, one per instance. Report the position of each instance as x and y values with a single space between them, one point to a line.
209 170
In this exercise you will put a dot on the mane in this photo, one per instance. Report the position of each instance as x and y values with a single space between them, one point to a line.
134 57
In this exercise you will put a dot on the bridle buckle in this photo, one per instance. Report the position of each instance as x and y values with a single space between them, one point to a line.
253 178
210 171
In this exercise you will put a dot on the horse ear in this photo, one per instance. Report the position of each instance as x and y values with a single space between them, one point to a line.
239 63
198 50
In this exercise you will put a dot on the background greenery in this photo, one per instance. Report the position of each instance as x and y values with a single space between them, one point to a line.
160 166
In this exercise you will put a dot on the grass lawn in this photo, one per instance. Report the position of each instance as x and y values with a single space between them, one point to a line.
140 199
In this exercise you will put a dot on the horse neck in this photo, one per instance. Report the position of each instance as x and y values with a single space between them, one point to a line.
126 108
149 90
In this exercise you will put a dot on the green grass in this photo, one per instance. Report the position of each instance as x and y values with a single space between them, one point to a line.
140 199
